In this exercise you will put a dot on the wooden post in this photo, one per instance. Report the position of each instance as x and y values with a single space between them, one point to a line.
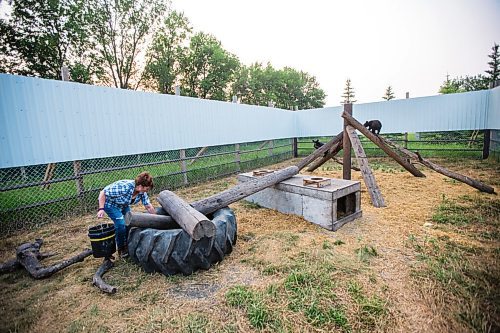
486 143
295 148
77 167
271 146
237 157
193 222
346 170
182 155
406 140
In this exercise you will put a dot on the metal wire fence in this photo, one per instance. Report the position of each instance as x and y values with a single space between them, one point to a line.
31 196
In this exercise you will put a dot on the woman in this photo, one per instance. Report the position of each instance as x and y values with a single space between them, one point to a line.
115 199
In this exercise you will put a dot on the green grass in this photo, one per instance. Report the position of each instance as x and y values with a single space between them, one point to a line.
465 274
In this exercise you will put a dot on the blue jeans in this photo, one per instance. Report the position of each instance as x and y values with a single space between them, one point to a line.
118 217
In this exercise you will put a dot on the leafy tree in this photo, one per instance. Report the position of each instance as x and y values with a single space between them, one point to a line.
208 69
348 95
40 36
286 88
494 71
389 94
166 53
464 84
121 30
477 82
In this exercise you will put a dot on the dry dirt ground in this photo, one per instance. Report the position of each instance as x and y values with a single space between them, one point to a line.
371 266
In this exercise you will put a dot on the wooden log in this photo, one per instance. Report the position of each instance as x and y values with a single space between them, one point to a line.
192 221
27 255
370 182
98 281
318 152
334 150
13 264
464 179
217 201
378 141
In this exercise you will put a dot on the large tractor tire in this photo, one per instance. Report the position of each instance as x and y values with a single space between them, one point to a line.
174 251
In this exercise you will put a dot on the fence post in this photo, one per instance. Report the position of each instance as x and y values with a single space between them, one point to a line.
182 155
271 146
486 144
237 156
77 165
346 168
295 148
406 140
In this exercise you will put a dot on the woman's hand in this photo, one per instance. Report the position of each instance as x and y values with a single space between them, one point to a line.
100 214
151 209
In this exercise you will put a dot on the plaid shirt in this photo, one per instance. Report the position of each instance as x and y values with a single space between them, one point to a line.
119 194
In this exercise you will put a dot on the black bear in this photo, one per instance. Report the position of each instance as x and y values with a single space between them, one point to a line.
374 126
319 144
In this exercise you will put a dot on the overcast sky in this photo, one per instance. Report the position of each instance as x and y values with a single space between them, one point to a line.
408 44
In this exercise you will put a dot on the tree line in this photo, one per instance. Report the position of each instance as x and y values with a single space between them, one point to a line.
140 44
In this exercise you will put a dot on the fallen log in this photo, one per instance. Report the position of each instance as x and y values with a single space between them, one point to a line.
215 202
14 264
192 221
378 141
98 281
27 255
464 179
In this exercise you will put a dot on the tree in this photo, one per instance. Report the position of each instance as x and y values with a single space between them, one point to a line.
208 69
286 88
464 84
166 53
348 95
41 36
494 71
389 94
121 30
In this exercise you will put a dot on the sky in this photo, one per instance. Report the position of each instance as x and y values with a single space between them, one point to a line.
410 45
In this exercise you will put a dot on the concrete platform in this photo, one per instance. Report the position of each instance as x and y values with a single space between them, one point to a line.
330 206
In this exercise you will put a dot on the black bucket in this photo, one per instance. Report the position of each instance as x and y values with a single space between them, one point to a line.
102 239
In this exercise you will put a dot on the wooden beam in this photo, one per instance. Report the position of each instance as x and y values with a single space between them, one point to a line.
200 152
318 152
193 222
337 146
215 202
464 179
378 141
370 182
49 173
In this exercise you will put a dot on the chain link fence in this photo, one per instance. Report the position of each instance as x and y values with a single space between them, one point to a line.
467 144
31 196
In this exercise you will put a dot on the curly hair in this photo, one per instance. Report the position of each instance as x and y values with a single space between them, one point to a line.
144 179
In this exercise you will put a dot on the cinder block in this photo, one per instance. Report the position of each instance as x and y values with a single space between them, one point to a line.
330 207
